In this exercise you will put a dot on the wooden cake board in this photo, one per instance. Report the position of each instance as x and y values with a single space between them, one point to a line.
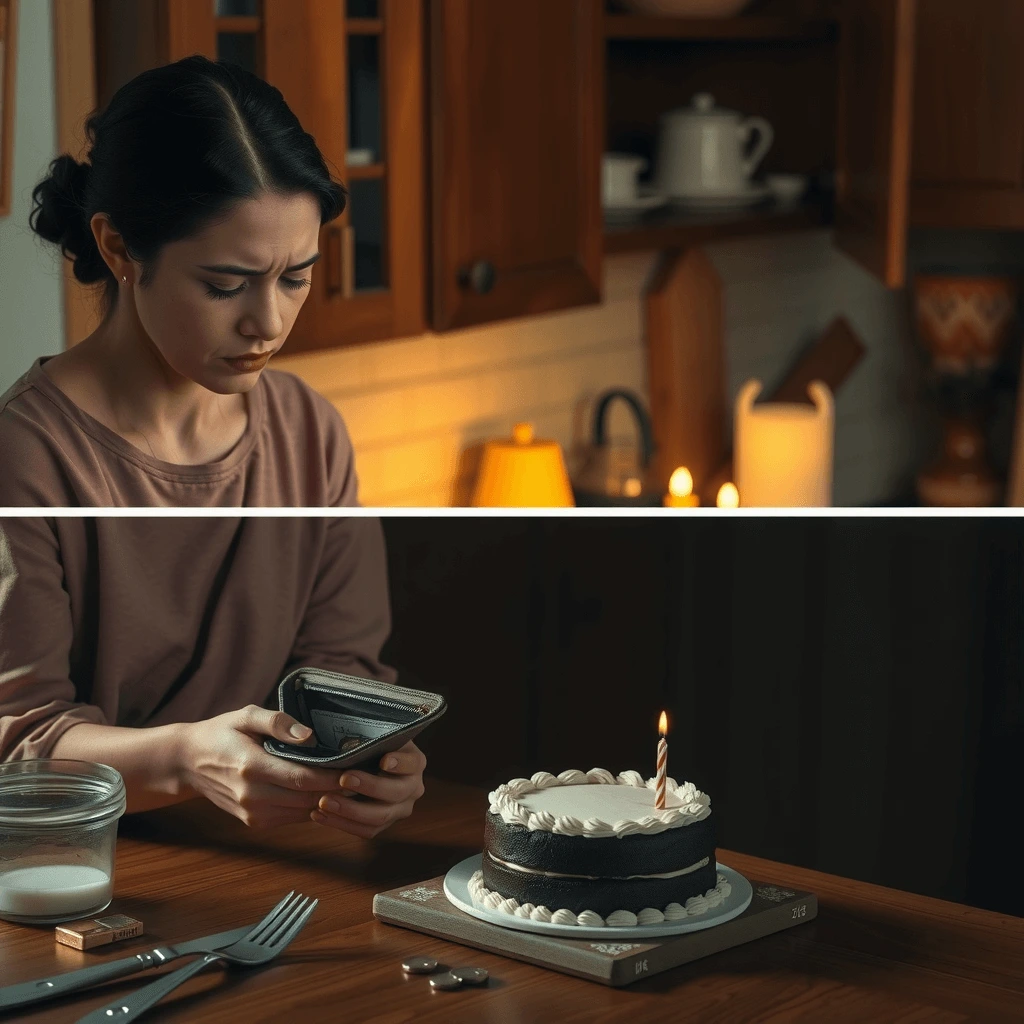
425 908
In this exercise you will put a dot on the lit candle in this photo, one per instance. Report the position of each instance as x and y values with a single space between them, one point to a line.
680 490
659 792
728 496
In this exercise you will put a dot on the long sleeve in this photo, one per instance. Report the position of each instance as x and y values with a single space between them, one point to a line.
37 697
348 616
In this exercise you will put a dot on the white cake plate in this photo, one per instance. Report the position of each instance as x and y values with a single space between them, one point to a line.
456 888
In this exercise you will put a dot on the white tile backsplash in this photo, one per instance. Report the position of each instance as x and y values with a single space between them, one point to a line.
414 405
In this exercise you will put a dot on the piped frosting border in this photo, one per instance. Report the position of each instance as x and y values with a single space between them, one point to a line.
694 907
504 801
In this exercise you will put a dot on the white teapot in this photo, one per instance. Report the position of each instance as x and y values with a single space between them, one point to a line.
703 150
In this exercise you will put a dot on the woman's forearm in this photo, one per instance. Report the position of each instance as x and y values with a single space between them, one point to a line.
148 760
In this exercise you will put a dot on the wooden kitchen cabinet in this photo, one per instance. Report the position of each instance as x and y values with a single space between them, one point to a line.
876 54
481 126
919 110
931 123
352 71
777 61
482 118
967 167
516 108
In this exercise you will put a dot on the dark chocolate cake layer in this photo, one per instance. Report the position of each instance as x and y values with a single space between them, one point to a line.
671 850
603 896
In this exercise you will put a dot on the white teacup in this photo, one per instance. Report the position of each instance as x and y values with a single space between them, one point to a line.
618 178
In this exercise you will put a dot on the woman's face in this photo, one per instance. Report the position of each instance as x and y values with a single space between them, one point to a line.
222 341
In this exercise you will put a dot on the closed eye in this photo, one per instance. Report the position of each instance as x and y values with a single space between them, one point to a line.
288 282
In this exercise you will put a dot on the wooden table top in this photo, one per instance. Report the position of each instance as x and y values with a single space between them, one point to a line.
873 954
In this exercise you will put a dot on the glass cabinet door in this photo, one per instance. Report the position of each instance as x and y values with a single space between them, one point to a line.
347 49
239 25
365 160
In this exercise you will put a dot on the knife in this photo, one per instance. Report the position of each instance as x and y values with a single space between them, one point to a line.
26 992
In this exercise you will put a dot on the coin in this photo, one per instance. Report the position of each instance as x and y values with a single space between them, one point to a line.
471 975
447 982
419 965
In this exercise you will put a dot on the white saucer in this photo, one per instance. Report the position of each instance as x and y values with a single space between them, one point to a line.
639 204
724 200
456 888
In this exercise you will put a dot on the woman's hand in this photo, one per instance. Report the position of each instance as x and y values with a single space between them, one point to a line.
367 804
223 759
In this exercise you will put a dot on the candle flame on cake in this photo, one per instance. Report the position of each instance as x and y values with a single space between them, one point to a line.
663 724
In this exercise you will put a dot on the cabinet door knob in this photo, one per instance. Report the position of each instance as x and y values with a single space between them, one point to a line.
480 277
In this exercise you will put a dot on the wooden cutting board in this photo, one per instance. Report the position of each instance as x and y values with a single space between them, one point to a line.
686 365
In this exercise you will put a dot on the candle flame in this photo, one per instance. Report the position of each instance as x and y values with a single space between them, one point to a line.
522 433
663 724
728 496
680 483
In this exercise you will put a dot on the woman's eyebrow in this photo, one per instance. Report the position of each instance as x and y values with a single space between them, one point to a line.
225 268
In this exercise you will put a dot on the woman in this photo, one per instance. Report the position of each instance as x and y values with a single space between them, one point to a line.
155 645
199 212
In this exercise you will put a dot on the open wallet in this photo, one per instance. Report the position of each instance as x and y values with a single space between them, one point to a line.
355 721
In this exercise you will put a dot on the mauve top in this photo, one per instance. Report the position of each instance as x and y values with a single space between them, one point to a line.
145 621
295 452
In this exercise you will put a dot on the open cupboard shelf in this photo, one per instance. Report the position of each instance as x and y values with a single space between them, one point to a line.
678 227
656 64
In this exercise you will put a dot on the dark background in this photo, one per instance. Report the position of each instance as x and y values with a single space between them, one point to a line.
848 691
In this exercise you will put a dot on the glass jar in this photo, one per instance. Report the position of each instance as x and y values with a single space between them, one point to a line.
58 829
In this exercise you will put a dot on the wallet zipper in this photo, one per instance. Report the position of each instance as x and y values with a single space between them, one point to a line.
423 709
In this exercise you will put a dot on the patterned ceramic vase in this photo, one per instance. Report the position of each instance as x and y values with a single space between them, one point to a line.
964 322
961 478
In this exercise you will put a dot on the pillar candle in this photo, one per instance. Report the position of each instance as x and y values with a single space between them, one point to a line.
783 451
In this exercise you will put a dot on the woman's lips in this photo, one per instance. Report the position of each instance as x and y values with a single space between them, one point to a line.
248 364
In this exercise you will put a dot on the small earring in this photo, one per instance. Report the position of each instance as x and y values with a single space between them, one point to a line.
125 279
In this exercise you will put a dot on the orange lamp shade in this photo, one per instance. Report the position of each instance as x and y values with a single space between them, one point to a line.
522 473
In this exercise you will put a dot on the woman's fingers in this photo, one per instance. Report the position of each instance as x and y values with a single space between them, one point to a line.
263 794
407 760
391 789
365 812
265 769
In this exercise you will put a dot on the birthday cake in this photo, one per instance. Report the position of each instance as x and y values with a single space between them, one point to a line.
590 849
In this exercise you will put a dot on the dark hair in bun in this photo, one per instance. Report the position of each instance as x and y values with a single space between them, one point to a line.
177 148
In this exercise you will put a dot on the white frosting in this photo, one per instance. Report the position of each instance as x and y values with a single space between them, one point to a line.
593 878
596 806
695 906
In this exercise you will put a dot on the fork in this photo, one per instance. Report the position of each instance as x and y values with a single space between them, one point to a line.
270 937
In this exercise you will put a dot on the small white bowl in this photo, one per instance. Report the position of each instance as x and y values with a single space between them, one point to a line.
787 188
687 8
